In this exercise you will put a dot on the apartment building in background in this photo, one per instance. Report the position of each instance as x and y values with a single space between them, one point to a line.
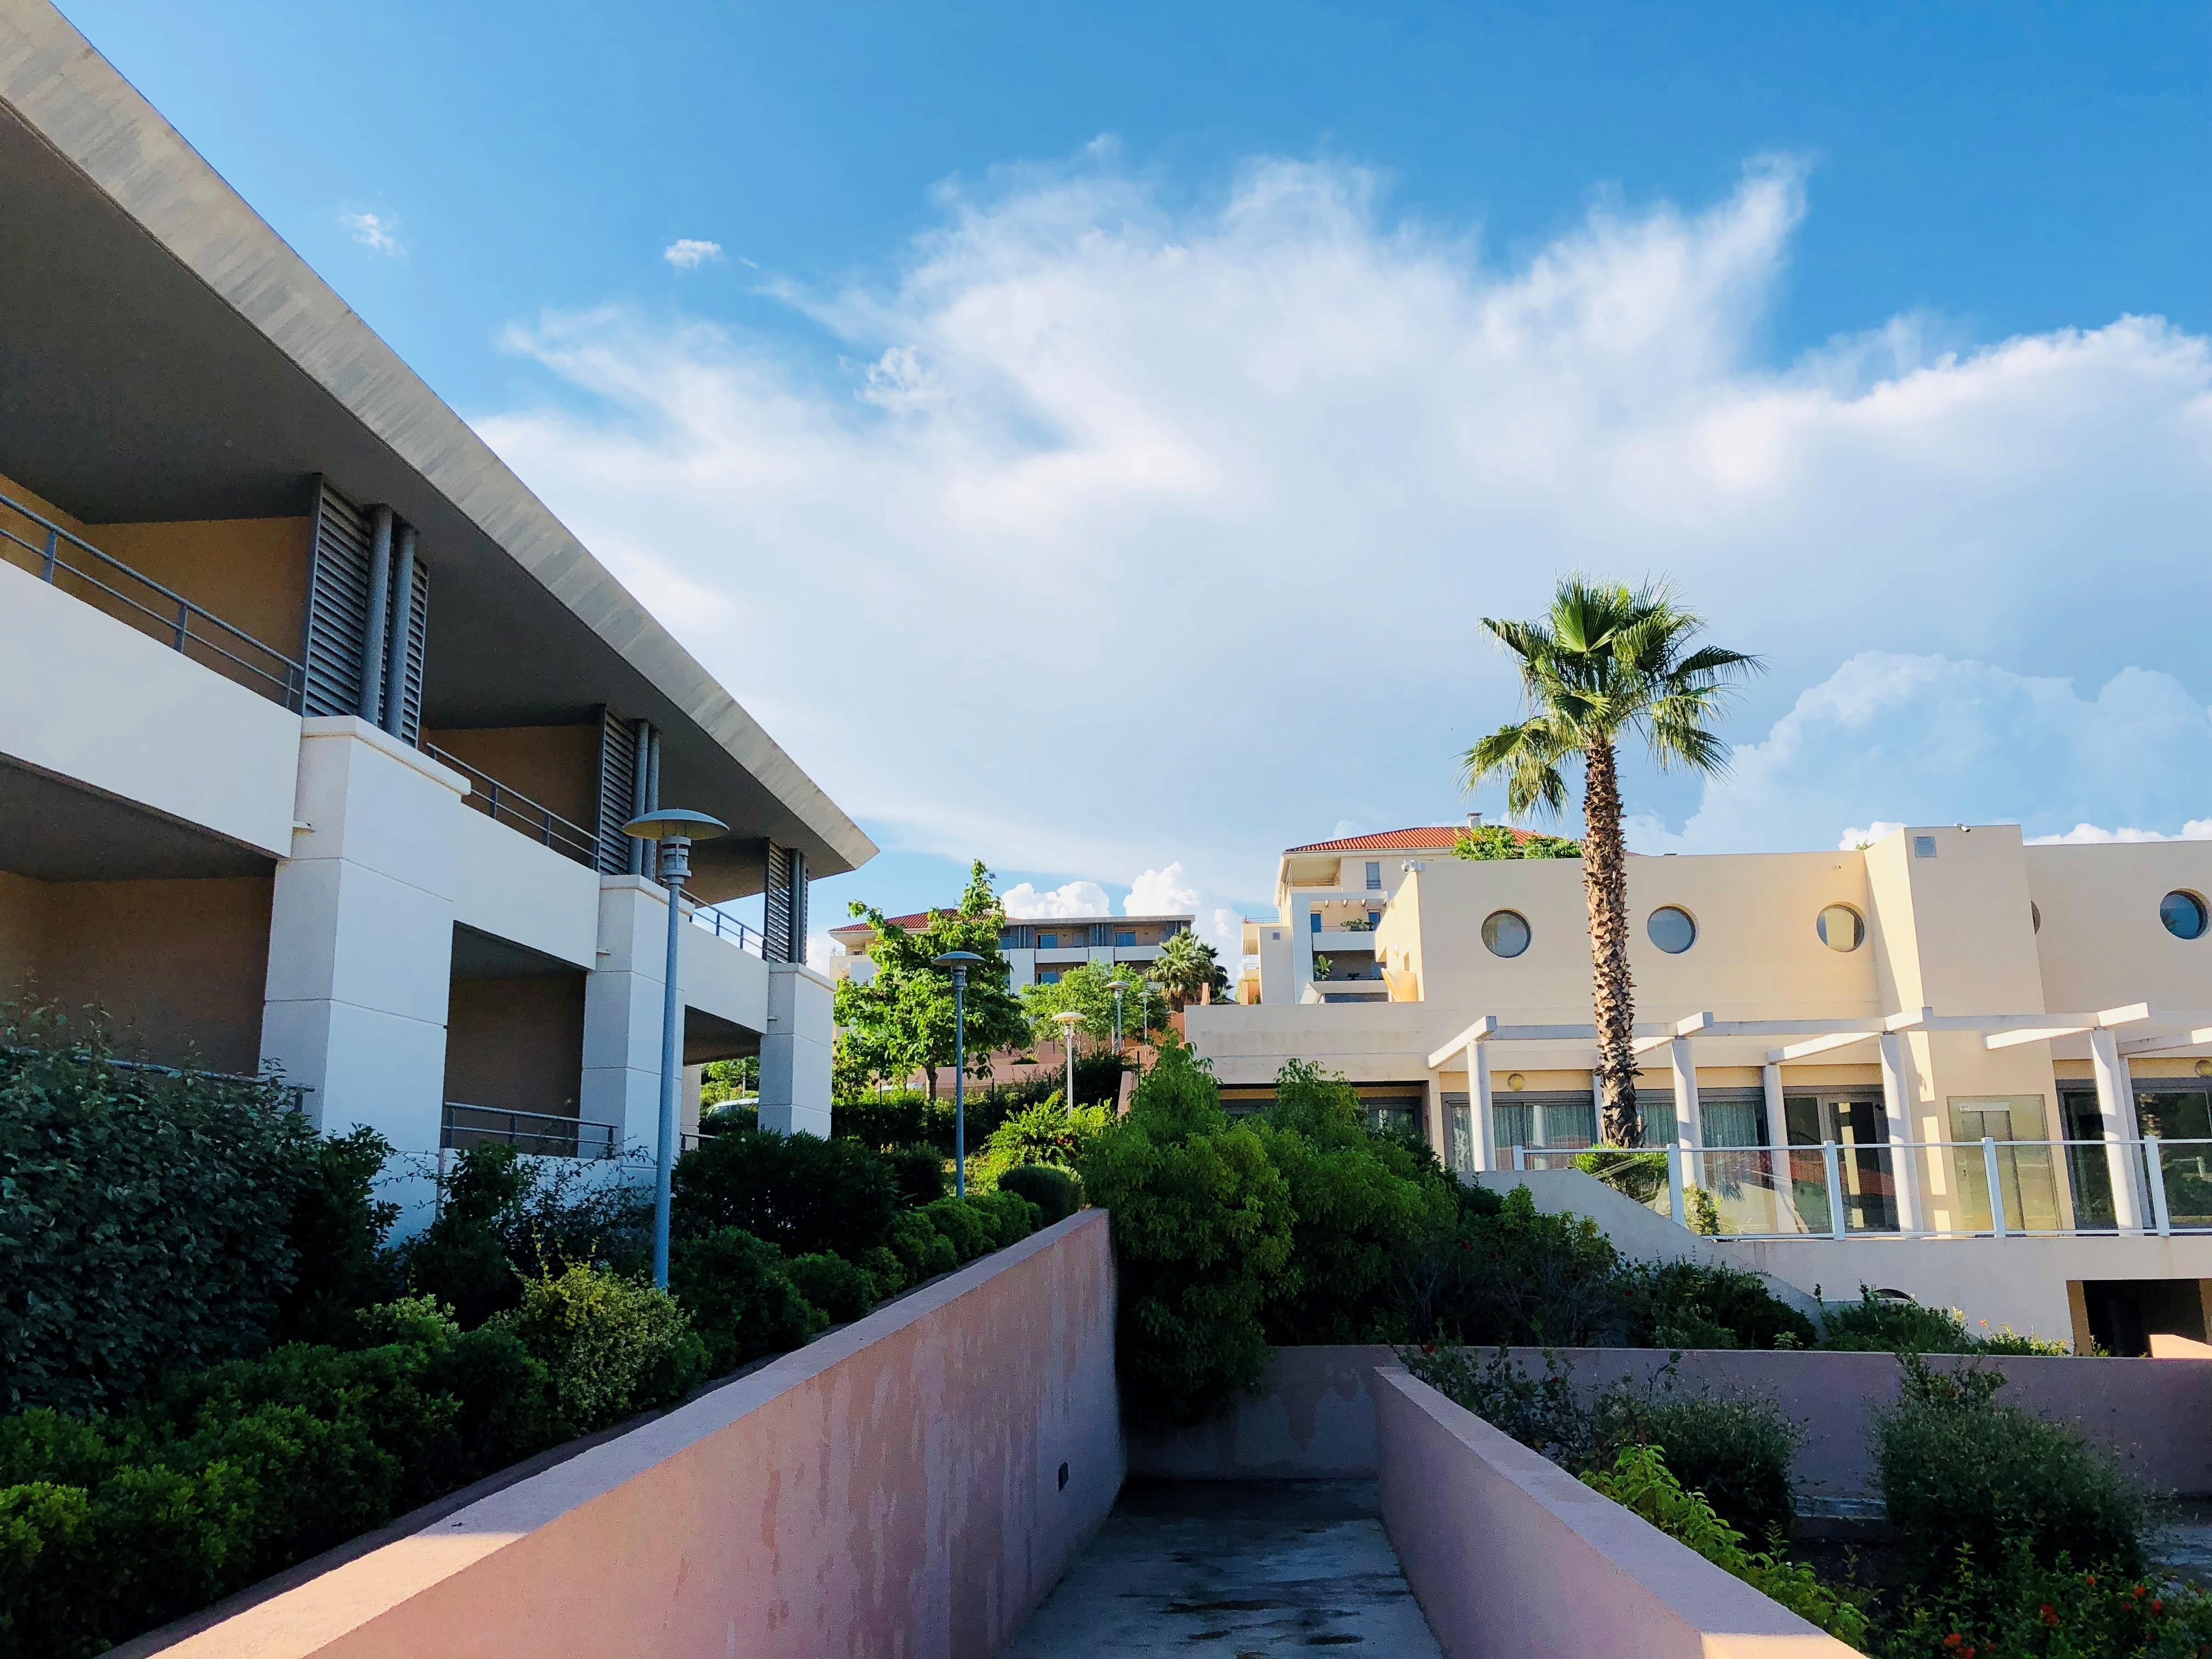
1038 952
317 728
1947 1062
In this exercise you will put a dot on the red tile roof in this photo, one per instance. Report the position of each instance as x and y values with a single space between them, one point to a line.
904 924
1401 840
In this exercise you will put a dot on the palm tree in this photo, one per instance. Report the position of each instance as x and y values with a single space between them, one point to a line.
1185 966
1603 663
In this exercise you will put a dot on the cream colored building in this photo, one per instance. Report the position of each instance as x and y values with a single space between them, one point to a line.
317 729
1038 950
2032 1020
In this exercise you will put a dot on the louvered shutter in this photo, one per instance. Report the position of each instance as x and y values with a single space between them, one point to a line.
337 605
775 920
617 792
408 729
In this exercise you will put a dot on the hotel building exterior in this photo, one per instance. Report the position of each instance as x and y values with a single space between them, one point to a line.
1849 1052
1037 952
317 729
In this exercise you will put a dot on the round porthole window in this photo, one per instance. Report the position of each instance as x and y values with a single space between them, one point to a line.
1841 928
2184 914
1672 930
1505 933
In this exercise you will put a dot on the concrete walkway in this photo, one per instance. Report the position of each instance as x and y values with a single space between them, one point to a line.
1237 1569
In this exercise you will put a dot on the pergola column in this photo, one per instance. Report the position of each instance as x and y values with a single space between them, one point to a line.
2116 1103
1897 1107
1778 1118
1689 1129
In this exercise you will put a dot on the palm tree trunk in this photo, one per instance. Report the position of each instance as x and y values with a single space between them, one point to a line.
1613 994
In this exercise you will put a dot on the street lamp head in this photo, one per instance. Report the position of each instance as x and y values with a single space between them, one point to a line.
667 822
958 961
1117 984
1071 1019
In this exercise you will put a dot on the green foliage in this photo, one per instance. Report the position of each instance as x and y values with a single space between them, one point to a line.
1087 989
886 1272
917 1173
1202 1230
146 1221
461 1257
337 1233
611 1345
1876 1324
508 1411
721 1080
1960 1470
1186 965
1639 1176
901 1020
1684 1304
1056 1191
801 1193
1641 1482
742 1302
840 1290
2003 1601
908 1117
1009 1216
1494 841
921 1250
961 1227
1044 1134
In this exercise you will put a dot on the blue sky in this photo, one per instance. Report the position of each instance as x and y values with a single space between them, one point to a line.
1171 387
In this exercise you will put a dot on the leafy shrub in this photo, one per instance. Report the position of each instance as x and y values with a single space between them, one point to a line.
886 1272
1684 1304
1885 1324
1098 1079
1202 1231
1641 1482
834 1285
1056 1193
1958 1470
1043 1133
962 1226
921 1250
799 1192
742 1302
1009 1217
337 1232
611 1345
1501 1271
918 1173
461 1257
508 1410
908 1117
2003 1602
145 1225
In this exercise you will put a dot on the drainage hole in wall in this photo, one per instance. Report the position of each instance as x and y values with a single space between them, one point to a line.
1063 1477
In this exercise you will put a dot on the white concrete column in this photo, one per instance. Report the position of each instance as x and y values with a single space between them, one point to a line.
622 1003
1897 1108
360 933
794 1095
2116 1103
1778 1116
1689 1128
1480 1102
1439 1120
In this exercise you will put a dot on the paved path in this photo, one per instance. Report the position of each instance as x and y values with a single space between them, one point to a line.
1234 1570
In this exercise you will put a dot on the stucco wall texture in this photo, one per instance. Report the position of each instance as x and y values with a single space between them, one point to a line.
892 1488
1315 1415
1556 1569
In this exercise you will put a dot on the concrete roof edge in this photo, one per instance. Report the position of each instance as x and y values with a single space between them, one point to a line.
80 105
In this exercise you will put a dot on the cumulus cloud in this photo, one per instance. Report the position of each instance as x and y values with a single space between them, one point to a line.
1161 893
2090 835
1270 452
1853 838
821 951
1076 898
687 254
377 231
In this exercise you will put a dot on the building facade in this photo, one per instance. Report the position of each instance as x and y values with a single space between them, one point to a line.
1945 1035
1037 951
317 729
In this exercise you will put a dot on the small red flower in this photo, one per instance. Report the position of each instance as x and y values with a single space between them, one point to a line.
2158 1604
1953 1640
2140 1590
2091 1578
2049 1615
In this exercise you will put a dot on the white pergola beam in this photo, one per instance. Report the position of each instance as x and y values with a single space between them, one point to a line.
1819 1045
1481 1031
2014 1037
2169 1043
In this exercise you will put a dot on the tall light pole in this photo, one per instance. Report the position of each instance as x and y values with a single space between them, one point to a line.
1117 986
959 962
1069 1019
675 830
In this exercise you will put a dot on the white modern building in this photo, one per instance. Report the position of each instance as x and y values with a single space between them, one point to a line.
317 728
1037 952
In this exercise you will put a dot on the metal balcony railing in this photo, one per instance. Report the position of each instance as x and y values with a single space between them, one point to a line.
729 927
517 811
69 562
541 1134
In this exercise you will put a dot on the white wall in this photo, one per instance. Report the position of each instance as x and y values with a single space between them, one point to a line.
513 888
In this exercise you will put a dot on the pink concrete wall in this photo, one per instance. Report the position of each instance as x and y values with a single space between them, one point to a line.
891 1489
1510 1555
1315 1414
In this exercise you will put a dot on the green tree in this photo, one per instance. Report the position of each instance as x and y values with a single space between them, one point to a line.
1495 841
1088 989
902 1020
721 1080
1186 965
1605 663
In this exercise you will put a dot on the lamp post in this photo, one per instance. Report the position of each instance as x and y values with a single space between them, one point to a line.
1117 986
959 962
1069 1019
674 830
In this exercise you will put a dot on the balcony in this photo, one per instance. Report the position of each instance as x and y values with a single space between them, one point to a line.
56 555
503 804
534 1134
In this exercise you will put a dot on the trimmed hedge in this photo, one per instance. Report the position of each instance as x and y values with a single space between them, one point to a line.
1055 1192
798 1192
833 1284
742 1302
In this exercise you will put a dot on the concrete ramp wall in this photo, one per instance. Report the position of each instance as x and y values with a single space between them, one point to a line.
913 1483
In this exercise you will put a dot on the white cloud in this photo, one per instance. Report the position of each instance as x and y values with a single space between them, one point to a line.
1076 898
1936 740
1277 452
1853 839
1161 893
821 951
2089 833
686 253
377 231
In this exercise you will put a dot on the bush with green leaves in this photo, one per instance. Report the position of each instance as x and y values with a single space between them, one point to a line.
1887 1324
1958 1469
1642 1481
612 1344
1047 1133
337 1232
740 1297
886 1272
2001 1600
918 1172
840 1290
961 1225
1202 1224
1688 1304
1056 1193
921 1250
799 1192
146 1221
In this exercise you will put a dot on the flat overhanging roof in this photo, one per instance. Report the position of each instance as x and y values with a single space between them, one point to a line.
168 357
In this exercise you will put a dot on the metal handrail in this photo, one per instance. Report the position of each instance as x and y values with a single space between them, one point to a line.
729 927
556 1137
510 806
288 678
